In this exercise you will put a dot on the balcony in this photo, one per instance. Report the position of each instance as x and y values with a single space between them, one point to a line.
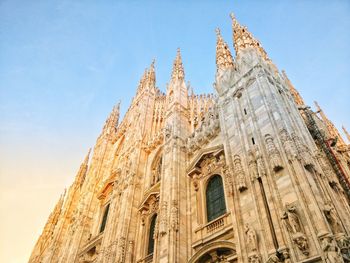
212 230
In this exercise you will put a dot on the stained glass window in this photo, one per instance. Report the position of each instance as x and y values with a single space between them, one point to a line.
151 235
104 219
215 198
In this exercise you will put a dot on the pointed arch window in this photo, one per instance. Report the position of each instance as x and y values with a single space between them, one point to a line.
104 219
215 198
151 235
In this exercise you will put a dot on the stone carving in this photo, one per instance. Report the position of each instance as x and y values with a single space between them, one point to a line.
292 222
304 154
163 219
121 250
288 145
228 178
252 239
253 168
241 182
209 128
331 250
255 258
344 245
275 158
174 216
260 163
273 259
332 218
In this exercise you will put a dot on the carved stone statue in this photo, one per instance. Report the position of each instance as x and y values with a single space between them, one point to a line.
252 239
291 219
331 250
239 173
332 218
292 222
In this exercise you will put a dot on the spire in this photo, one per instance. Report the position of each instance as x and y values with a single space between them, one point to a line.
113 119
178 72
80 178
332 130
142 82
86 160
242 38
224 58
296 95
346 133
151 76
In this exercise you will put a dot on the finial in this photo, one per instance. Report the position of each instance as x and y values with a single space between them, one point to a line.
218 33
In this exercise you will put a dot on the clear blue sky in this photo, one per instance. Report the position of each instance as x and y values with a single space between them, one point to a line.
64 64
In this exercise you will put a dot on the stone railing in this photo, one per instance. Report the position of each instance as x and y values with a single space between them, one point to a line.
213 229
215 225
147 259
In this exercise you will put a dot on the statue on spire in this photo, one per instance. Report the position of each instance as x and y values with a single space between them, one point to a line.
243 39
178 72
224 58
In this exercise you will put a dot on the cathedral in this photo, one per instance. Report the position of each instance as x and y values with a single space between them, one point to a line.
249 173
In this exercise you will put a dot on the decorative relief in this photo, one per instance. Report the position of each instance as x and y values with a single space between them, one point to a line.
121 250
149 206
252 244
155 141
228 178
292 222
331 251
304 154
209 128
326 170
251 237
288 144
174 216
241 182
332 218
274 154
253 167
163 219
260 163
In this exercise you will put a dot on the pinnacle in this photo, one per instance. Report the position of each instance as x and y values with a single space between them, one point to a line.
178 70
242 38
224 58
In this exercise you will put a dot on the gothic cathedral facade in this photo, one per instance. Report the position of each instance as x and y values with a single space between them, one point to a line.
250 174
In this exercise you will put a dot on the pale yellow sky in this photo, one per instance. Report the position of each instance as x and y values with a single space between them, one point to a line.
30 185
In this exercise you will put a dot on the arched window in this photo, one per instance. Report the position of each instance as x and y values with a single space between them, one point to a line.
215 198
104 219
151 235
